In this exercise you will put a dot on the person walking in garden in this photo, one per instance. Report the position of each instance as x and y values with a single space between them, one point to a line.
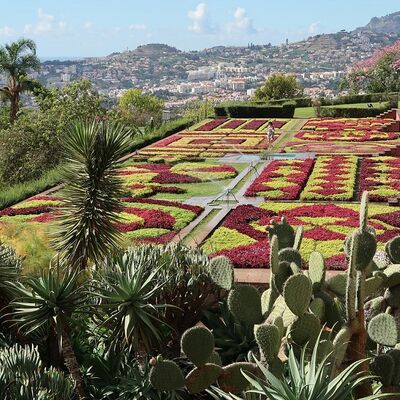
270 132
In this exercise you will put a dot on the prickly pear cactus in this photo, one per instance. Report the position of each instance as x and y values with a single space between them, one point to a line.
244 302
392 249
382 329
284 232
268 338
201 378
232 380
166 375
297 293
221 272
198 345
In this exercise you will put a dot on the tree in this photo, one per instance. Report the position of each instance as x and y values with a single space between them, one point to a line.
137 108
379 73
279 86
87 228
15 61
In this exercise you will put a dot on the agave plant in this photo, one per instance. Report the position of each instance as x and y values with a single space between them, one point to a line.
49 303
87 230
127 293
308 378
23 377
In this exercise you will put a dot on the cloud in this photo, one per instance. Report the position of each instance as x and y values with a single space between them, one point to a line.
6 31
199 19
137 27
46 24
88 26
241 23
314 28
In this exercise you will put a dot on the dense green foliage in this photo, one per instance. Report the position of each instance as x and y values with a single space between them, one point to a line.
355 112
254 110
31 146
279 86
136 108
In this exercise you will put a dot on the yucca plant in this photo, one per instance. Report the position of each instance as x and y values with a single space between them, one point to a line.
91 197
49 303
127 292
307 379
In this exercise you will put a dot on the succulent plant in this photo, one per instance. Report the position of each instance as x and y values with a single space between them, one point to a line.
283 231
297 293
166 375
221 272
244 302
268 338
198 345
382 329
201 378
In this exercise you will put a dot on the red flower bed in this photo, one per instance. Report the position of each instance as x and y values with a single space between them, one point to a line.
380 176
232 124
269 183
11 212
326 227
209 126
254 124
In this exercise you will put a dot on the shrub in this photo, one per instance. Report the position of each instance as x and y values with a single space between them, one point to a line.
28 149
350 112
255 110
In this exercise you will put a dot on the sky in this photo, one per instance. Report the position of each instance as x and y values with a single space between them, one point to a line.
86 28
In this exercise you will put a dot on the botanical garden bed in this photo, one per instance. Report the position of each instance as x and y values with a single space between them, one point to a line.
243 234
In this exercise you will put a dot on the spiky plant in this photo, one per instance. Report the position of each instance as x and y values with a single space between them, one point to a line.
308 379
15 60
91 197
50 302
23 377
127 292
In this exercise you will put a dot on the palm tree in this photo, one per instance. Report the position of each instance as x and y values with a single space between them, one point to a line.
50 302
15 60
87 230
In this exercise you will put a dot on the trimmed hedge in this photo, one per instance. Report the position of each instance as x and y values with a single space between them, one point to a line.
166 129
349 112
359 98
255 110
300 101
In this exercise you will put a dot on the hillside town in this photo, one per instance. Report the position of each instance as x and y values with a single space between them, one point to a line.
232 73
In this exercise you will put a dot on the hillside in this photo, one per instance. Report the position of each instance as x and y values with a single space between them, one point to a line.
388 24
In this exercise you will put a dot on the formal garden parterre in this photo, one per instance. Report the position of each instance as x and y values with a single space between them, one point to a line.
243 236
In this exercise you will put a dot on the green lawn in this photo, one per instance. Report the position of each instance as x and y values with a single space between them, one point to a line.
309 112
202 189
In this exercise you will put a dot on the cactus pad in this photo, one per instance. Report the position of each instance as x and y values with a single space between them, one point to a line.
244 302
383 367
232 380
298 237
297 293
337 284
365 251
340 344
393 275
317 307
198 344
395 354
381 259
375 283
269 340
273 256
382 329
221 272
279 279
316 269
283 231
305 329
392 296
166 375
201 378
290 256
214 359
392 249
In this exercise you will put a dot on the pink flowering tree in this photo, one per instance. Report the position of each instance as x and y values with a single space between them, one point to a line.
378 73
